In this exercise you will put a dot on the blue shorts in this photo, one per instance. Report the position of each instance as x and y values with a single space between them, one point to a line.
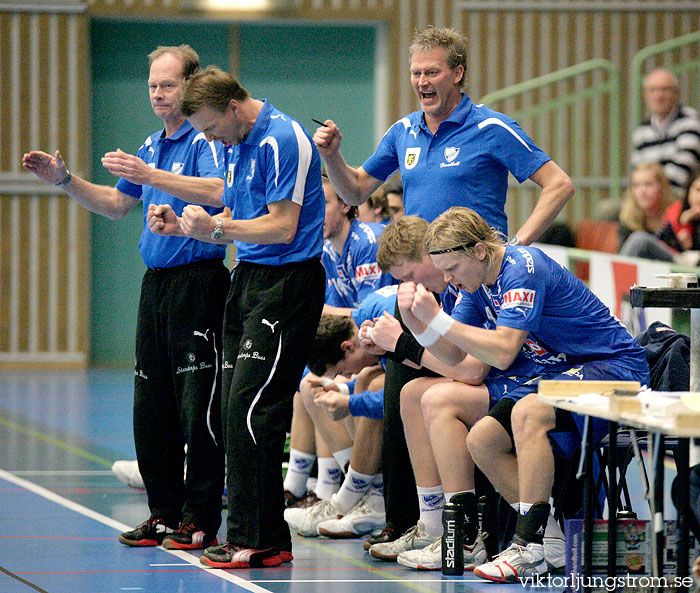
566 436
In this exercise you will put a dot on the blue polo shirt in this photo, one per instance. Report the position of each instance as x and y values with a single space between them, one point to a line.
466 162
355 273
186 152
277 161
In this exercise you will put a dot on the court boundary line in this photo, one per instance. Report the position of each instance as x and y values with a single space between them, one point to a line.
117 525
12 575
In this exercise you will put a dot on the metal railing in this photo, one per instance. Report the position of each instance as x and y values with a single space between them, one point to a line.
581 101
690 85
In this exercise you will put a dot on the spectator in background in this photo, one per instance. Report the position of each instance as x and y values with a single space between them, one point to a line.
642 213
671 135
394 198
375 209
681 230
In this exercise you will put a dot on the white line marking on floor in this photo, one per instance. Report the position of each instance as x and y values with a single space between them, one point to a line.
173 564
68 472
482 581
86 512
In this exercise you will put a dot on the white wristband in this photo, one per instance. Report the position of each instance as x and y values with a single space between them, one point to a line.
427 338
368 333
441 323
326 381
343 388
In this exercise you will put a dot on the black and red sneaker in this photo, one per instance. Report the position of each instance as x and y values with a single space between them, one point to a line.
188 537
388 534
231 556
149 533
306 500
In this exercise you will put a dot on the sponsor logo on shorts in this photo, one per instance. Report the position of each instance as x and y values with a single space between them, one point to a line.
575 372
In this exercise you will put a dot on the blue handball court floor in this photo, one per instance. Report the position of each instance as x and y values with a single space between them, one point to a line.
61 508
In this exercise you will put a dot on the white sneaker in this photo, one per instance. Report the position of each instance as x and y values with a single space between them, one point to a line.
476 554
416 538
127 471
363 518
305 521
554 553
514 563
430 557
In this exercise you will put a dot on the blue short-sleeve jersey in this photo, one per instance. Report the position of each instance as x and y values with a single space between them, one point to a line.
466 163
277 161
186 152
567 323
375 303
355 273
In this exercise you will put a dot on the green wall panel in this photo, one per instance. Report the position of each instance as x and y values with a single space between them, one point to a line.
122 118
310 71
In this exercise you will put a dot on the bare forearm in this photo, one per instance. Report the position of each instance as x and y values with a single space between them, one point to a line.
206 191
351 185
100 199
497 348
557 188
470 370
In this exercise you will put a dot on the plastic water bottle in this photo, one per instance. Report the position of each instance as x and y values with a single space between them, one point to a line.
453 540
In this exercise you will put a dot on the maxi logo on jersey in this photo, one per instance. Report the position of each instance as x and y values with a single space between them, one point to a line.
518 297
368 271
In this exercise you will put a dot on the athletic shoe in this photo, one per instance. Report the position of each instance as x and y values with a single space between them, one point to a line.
229 556
514 563
554 553
388 534
308 500
416 538
127 471
430 557
305 522
188 537
359 520
149 533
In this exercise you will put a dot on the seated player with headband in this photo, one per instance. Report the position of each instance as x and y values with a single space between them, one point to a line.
518 300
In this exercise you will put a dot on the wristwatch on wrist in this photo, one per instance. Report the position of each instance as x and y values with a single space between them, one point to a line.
66 179
218 231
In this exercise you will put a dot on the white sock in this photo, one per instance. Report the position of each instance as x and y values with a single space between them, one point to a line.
354 487
516 507
431 501
298 471
552 529
343 458
525 507
376 493
329 477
